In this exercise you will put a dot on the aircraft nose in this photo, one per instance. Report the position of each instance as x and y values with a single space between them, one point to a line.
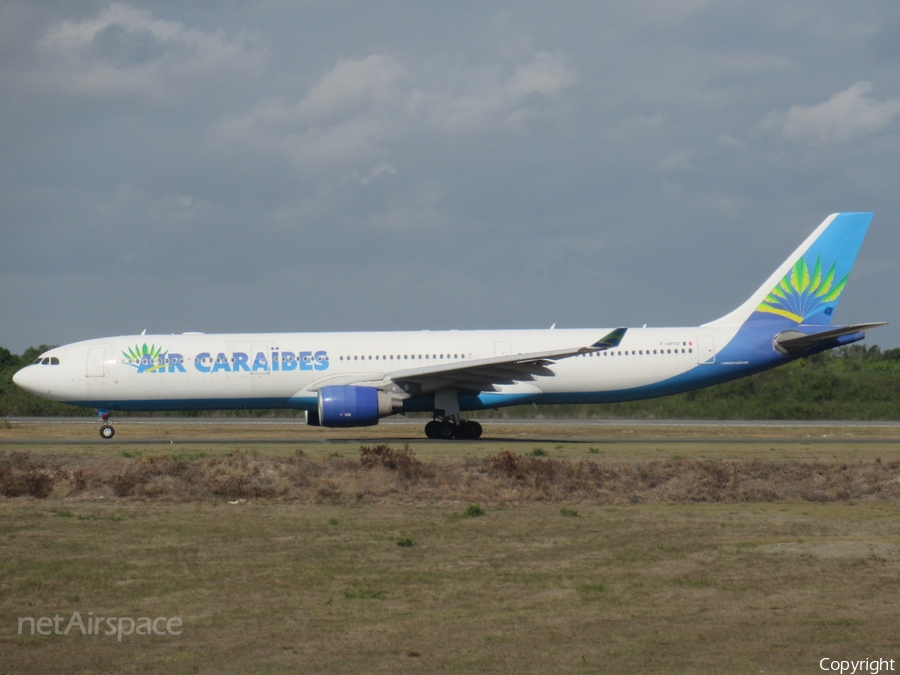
26 379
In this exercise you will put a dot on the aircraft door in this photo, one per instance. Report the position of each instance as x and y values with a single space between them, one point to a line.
706 349
95 362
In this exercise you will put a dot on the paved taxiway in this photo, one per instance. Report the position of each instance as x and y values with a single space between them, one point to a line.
405 430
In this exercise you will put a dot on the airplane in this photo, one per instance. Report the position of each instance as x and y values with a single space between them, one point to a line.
355 379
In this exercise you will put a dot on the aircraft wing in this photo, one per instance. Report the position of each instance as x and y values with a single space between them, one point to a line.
484 374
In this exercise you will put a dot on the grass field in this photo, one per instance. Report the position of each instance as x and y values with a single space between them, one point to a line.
389 573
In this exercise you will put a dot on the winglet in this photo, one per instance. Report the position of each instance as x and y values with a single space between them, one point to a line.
610 340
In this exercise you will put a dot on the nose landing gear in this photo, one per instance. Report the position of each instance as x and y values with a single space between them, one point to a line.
106 431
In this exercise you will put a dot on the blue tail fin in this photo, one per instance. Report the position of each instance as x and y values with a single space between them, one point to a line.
807 287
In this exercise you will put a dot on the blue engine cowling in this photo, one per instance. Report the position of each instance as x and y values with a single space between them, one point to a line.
349 406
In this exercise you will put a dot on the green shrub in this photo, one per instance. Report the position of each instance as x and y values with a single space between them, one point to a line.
473 511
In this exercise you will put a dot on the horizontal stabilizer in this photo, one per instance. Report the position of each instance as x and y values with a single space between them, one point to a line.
794 342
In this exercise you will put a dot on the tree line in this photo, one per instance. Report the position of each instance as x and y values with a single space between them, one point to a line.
850 383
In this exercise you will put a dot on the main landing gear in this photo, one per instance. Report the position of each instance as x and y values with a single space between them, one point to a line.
452 427
106 431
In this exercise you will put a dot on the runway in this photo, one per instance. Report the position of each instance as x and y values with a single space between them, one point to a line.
408 421
152 431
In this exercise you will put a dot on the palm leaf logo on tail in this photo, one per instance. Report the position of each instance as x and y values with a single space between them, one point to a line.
802 293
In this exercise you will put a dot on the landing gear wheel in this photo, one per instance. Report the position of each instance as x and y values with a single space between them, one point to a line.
470 430
432 429
107 432
446 430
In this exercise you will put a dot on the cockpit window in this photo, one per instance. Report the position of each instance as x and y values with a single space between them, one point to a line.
46 361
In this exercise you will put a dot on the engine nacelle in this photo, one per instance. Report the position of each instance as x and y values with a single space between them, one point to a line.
349 406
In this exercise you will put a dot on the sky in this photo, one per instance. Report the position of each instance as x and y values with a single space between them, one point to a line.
267 165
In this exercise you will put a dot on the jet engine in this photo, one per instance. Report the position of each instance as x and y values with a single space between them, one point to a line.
349 406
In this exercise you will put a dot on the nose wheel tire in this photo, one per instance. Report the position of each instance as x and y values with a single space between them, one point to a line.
107 432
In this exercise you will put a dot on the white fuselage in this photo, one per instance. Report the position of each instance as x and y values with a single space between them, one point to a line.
276 370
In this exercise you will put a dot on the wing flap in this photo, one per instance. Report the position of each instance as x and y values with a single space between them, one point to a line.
487 374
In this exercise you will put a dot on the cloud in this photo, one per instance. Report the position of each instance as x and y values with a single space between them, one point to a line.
676 160
730 141
662 12
360 109
847 115
125 51
752 62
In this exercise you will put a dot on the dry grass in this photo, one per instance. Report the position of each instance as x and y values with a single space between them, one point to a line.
382 473
264 587
612 557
